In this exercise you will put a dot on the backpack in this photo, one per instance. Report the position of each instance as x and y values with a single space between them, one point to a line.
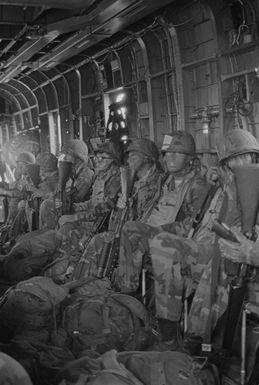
169 368
30 254
58 270
103 322
31 305
11 372
95 370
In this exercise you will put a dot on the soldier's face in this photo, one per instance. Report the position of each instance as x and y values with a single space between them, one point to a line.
136 160
239 160
102 161
44 175
21 168
176 161
67 158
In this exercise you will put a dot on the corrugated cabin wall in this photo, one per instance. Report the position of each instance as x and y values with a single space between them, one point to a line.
176 77
199 78
188 69
197 39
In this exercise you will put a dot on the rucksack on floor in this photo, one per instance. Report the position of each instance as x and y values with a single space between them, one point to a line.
94 370
104 322
169 368
57 270
30 254
30 305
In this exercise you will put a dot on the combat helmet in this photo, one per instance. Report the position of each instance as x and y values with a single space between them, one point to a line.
111 149
182 142
144 146
47 161
236 142
26 157
76 148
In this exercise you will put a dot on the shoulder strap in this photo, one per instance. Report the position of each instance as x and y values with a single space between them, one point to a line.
215 264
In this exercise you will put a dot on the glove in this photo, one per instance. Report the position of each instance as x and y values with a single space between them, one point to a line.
122 202
21 205
66 219
57 203
241 251
213 175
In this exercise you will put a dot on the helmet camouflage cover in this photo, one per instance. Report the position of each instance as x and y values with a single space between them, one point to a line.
77 148
26 157
47 161
111 149
181 142
236 142
144 146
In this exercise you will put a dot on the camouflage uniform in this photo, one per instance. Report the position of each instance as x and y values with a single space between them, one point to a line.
82 174
136 236
181 265
179 201
19 187
77 228
82 181
78 189
105 188
48 186
144 193
104 195
17 217
245 252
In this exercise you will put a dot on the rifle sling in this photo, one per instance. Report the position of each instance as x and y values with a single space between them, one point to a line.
215 265
205 205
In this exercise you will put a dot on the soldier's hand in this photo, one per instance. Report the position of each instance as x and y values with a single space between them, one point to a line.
21 205
122 202
66 219
57 203
239 252
37 194
213 175
79 206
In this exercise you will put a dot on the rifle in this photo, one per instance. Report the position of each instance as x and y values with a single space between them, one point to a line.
64 172
203 209
247 183
33 171
110 252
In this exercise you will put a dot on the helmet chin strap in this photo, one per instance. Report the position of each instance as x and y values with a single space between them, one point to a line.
185 170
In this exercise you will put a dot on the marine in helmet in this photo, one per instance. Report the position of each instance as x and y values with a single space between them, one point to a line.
22 180
24 158
143 157
78 185
177 204
182 264
245 251
89 213
47 175
45 190
15 189
106 184
18 193
76 152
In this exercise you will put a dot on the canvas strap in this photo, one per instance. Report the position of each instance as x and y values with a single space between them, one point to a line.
215 265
